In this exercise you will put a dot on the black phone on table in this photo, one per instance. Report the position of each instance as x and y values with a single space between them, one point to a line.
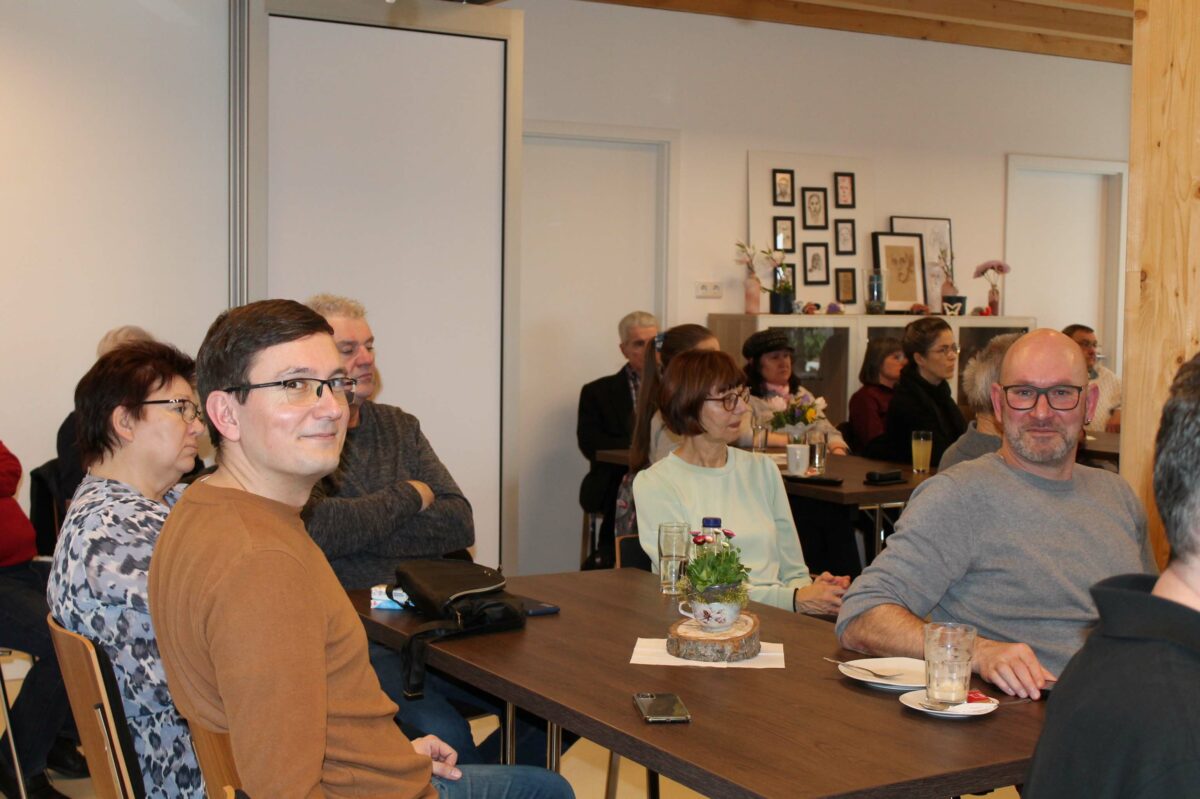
661 708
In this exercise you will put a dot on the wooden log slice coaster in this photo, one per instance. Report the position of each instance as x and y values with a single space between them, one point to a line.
687 640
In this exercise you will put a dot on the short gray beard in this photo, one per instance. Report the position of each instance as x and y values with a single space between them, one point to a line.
1058 455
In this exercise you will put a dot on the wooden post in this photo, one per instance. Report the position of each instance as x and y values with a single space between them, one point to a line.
1162 278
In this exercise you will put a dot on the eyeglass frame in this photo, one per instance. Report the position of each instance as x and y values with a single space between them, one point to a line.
177 403
350 382
739 393
945 350
1043 392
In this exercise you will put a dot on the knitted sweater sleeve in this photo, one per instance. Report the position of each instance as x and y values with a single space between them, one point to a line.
370 508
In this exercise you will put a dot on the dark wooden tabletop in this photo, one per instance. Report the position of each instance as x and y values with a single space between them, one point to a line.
803 731
853 491
1102 446
617 456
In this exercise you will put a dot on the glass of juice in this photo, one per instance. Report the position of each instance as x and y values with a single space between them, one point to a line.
922 450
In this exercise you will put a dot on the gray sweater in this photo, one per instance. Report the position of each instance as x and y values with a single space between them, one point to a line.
969 446
365 517
1009 552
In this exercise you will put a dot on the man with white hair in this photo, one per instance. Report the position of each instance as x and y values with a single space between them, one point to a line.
1125 716
606 422
983 432
1009 542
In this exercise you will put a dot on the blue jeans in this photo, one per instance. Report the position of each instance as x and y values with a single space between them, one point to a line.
41 710
438 713
504 782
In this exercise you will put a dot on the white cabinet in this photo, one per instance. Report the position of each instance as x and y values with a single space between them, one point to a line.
830 348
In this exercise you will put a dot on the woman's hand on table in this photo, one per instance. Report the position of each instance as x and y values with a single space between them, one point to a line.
839 449
823 597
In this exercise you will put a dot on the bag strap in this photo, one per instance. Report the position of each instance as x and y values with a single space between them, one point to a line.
416 649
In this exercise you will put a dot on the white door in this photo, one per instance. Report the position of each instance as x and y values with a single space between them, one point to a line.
1064 238
589 255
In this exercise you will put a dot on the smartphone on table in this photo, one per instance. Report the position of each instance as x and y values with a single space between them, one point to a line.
661 708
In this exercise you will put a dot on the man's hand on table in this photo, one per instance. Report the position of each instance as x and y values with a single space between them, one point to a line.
425 491
1013 668
440 752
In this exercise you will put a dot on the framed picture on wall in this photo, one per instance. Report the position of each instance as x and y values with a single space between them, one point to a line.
843 190
816 263
815 213
845 286
783 187
900 258
938 244
845 239
784 238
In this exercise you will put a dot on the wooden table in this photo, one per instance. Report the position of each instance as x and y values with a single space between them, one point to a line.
618 456
803 731
1102 446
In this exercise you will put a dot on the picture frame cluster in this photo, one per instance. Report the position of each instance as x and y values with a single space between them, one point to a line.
811 203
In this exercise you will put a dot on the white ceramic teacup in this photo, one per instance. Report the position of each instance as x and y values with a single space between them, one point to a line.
713 617
797 458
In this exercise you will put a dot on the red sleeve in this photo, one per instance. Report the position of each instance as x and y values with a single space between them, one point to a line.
10 472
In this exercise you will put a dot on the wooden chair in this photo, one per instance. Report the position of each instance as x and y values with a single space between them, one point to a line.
215 754
99 715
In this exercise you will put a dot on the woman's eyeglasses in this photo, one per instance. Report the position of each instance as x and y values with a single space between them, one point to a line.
189 410
946 350
729 400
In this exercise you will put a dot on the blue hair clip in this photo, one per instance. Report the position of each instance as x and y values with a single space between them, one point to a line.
658 341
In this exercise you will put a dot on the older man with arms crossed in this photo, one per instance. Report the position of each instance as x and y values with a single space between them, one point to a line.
1011 541
258 639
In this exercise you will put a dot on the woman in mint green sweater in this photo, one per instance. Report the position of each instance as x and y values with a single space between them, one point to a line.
703 399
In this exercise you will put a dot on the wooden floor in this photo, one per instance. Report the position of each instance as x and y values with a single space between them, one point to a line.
584 766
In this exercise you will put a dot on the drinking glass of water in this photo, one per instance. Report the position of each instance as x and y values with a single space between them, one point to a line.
672 554
948 650
816 445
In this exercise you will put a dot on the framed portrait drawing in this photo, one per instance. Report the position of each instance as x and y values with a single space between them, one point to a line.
900 259
845 286
815 213
843 190
816 263
845 238
935 232
784 238
783 187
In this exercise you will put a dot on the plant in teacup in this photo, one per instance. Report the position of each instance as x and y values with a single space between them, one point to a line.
715 583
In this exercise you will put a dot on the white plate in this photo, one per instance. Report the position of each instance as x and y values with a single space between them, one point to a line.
910 673
913 699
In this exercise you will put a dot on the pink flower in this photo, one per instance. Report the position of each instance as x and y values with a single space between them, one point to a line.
777 403
992 271
727 533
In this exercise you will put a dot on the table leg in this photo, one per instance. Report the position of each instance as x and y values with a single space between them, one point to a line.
877 539
553 746
508 737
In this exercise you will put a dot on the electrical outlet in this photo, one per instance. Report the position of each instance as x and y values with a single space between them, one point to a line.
708 290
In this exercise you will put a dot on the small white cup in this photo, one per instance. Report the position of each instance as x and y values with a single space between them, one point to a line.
797 458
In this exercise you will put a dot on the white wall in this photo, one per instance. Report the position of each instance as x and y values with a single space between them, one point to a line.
936 120
112 191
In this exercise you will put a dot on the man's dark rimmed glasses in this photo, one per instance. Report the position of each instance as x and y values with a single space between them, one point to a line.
304 390
189 410
1059 398
729 400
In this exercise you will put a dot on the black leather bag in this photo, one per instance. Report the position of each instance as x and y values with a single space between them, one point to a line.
461 598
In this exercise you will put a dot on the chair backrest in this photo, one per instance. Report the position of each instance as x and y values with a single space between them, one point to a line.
215 753
630 554
99 715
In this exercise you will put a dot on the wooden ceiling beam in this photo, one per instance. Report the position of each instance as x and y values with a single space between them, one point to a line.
825 14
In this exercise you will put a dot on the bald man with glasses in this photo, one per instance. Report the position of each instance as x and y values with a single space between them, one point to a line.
1009 542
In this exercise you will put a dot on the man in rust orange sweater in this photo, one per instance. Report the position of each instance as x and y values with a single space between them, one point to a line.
257 636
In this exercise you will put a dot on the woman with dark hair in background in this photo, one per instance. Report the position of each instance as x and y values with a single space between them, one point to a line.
922 399
869 405
769 374
703 399
139 428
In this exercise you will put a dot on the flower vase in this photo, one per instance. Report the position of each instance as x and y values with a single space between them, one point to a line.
875 303
994 300
953 303
753 291
781 302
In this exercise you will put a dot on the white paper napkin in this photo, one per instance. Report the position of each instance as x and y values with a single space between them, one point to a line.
653 652
381 601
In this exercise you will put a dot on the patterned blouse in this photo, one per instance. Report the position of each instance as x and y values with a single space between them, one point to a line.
97 588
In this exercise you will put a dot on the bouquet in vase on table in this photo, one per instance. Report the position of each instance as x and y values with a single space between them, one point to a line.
793 416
